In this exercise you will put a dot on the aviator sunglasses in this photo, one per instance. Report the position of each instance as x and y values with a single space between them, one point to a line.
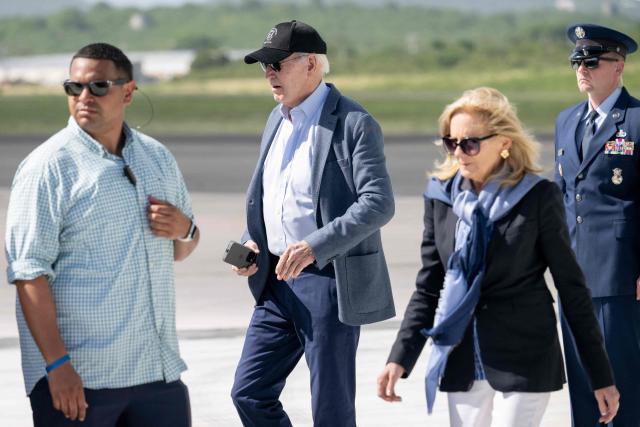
96 87
469 146
277 66
590 63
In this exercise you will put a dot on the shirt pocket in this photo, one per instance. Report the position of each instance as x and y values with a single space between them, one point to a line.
161 187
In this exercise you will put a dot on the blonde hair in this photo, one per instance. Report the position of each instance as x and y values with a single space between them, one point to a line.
500 117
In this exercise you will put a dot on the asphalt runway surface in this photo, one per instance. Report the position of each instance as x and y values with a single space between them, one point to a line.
213 305
224 163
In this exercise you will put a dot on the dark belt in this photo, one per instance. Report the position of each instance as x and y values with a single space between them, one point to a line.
327 271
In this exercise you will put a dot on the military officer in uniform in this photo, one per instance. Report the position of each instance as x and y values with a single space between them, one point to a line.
598 171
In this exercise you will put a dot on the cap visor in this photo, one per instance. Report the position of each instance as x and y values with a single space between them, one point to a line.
266 55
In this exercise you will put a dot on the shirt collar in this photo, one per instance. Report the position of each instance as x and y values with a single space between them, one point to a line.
607 105
310 105
93 145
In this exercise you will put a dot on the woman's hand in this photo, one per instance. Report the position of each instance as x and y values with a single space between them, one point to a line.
608 402
387 382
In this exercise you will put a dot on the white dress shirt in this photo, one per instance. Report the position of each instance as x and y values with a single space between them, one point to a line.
288 211
605 107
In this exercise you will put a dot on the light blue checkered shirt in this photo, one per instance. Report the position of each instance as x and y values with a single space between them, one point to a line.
75 217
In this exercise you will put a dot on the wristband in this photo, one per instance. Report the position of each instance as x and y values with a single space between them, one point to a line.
190 234
57 363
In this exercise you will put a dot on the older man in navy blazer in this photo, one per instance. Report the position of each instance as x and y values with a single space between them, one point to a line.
315 205
598 170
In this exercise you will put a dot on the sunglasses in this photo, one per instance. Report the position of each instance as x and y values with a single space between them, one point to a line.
277 66
590 63
96 87
469 146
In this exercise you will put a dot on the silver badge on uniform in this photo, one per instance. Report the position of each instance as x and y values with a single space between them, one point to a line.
560 169
617 176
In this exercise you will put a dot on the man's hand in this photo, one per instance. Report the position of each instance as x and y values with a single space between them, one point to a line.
166 220
608 402
67 392
253 268
39 311
638 289
294 259
387 382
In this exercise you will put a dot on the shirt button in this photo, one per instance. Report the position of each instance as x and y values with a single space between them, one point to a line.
579 219
579 197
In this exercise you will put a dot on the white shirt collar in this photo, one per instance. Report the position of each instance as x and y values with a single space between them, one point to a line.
310 105
607 105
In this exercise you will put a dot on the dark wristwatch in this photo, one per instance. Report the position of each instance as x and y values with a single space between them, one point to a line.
190 234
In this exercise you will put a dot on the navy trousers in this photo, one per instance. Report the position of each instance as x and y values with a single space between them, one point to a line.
292 318
619 319
157 404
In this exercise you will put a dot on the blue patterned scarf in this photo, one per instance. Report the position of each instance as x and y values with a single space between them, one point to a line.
465 269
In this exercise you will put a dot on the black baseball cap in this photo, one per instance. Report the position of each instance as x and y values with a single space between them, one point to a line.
286 38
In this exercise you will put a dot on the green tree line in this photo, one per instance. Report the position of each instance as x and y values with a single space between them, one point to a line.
385 39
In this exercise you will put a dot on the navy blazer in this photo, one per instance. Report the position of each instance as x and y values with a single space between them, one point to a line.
515 318
603 212
353 198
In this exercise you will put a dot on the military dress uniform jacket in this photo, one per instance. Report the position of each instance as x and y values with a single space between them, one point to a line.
601 195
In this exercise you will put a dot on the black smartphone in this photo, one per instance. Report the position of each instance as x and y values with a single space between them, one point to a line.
239 255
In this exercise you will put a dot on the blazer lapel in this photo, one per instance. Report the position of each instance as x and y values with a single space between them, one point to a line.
324 136
569 143
255 187
606 130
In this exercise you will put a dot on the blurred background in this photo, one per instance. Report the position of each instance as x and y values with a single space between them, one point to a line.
403 59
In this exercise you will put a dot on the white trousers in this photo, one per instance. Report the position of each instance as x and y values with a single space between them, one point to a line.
475 408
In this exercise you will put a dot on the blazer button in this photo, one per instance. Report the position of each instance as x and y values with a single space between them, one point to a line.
579 197
251 202
580 176
579 219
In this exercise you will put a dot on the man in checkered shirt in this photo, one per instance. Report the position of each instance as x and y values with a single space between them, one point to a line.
97 216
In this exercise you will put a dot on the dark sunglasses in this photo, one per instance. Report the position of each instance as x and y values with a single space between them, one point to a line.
469 146
590 63
277 66
96 87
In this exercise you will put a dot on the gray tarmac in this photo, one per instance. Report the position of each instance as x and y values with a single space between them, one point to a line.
214 305
224 163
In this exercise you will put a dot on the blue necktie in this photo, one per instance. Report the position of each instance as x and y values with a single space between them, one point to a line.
589 131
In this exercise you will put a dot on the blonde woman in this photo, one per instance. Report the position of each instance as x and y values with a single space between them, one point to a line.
491 229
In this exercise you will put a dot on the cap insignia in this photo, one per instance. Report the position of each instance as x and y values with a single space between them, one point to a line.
270 35
580 32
